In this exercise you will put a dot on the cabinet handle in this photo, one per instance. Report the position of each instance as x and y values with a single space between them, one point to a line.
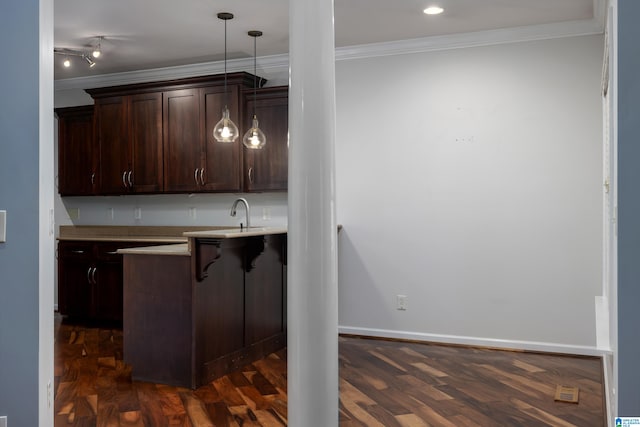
89 275
195 175
93 275
93 178
202 176
77 251
129 179
112 253
124 178
250 173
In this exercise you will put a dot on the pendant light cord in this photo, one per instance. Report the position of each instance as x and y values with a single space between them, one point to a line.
226 95
255 78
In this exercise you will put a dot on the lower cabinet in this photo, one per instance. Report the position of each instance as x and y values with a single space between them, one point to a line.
75 284
191 319
90 280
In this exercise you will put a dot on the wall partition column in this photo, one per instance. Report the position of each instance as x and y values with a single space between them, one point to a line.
312 240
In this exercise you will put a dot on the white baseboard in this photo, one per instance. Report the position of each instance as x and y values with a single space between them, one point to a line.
474 341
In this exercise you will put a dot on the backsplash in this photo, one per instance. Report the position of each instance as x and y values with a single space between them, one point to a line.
269 209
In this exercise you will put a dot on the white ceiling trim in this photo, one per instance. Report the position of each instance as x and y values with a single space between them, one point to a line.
281 62
475 39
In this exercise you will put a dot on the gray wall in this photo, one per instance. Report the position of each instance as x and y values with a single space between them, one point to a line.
477 173
628 207
19 147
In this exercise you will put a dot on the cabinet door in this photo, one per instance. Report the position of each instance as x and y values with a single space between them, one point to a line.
182 141
108 291
77 165
114 147
75 279
267 169
222 160
108 280
145 137
264 288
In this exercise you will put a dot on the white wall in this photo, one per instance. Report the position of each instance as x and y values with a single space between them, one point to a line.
470 181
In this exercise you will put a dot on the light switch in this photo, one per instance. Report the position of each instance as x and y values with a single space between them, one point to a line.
3 226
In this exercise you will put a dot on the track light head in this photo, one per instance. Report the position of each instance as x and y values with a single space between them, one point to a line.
90 61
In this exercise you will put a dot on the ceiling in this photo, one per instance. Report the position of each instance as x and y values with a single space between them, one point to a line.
148 34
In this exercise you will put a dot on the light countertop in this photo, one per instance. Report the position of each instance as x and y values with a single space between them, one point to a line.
181 249
231 233
142 234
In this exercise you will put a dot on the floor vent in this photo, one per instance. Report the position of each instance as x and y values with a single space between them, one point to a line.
566 394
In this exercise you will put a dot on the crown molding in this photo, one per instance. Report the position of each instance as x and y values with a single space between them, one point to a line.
265 63
280 63
474 39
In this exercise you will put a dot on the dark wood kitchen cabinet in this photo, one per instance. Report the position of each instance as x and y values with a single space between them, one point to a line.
266 169
75 268
222 161
194 160
157 137
182 146
128 130
78 166
90 280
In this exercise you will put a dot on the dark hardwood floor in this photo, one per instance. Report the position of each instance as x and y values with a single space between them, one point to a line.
382 383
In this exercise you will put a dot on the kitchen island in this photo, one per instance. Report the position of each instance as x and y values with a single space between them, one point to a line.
194 312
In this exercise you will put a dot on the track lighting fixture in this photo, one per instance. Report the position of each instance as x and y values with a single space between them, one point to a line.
85 56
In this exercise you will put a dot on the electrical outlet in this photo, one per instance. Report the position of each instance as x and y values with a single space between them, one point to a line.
401 302
137 213
192 213
266 214
110 214
52 222
74 213
3 421
49 394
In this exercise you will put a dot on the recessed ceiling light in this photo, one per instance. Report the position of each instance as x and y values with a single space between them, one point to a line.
433 10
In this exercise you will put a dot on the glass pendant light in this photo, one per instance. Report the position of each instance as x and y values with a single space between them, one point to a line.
225 130
254 138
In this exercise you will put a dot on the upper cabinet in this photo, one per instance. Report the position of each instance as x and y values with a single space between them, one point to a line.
129 134
182 146
144 129
158 138
193 160
222 161
266 169
78 172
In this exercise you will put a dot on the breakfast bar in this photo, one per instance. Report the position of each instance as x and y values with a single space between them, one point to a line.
196 311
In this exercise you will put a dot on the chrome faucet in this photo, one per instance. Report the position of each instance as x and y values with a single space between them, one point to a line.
246 206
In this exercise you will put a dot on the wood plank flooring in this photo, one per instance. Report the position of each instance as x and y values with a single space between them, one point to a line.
382 383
